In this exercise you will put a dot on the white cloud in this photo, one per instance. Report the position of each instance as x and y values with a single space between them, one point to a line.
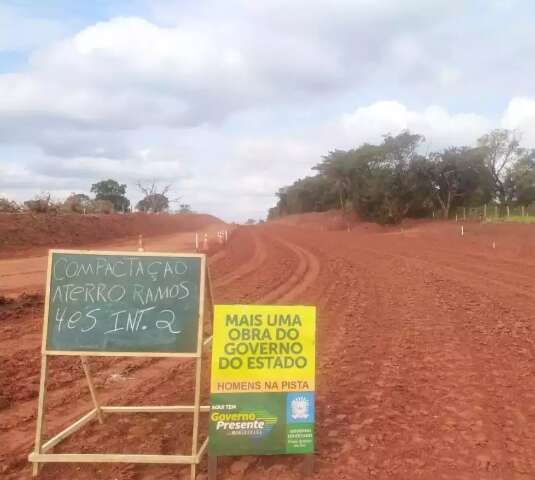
520 115
441 128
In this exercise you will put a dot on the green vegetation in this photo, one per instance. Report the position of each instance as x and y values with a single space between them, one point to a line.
515 219
393 180
110 197
111 191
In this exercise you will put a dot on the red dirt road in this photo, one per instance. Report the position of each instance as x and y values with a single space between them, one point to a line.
425 359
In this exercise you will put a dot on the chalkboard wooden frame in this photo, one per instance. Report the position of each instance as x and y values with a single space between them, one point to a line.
40 456
94 353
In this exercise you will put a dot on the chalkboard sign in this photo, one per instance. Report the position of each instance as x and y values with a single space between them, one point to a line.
117 302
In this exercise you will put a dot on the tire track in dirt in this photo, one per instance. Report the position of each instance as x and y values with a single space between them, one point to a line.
258 258
305 274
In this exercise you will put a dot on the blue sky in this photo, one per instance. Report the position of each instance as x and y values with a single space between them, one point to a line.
230 100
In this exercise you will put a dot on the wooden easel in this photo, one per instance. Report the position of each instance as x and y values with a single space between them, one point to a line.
40 454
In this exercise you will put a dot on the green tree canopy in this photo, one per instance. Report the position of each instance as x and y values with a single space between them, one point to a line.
394 179
113 192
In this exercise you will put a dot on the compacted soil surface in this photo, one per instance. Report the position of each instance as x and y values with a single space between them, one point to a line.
425 359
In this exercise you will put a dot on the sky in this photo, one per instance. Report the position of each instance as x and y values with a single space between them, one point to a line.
229 101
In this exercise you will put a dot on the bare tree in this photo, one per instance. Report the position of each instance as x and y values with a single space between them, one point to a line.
155 199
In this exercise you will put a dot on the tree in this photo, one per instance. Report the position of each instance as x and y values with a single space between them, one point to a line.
336 166
454 176
42 203
184 208
77 202
113 192
502 150
520 181
154 201
250 221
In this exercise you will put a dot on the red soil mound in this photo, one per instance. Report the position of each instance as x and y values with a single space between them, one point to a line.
329 220
19 232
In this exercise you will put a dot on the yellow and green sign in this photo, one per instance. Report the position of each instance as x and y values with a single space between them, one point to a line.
263 380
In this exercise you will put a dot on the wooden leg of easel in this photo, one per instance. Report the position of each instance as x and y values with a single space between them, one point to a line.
196 413
87 372
40 410
212 467
308 465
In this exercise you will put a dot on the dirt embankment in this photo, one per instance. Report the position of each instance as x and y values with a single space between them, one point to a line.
20 233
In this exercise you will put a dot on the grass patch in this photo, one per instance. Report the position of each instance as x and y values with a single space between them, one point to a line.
512 219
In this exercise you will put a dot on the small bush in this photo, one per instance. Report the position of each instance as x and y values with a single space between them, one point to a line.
7 206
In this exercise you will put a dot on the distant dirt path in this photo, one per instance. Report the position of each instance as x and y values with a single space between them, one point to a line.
426 354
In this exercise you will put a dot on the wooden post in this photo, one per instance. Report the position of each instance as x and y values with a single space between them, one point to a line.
496 211
485 211
308 465
40 410
198 371
212 467
87 372
523 209
507 208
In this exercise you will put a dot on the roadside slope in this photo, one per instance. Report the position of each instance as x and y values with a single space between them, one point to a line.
23 234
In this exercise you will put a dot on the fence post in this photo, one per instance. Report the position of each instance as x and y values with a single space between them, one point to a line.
523 209
496 211
507 209
485 211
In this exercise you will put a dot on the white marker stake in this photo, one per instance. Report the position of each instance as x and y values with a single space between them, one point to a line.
493 245
226 236
196 242
205 242
140 243
462 230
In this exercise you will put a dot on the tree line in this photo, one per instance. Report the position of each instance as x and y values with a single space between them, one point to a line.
109 197
396 179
